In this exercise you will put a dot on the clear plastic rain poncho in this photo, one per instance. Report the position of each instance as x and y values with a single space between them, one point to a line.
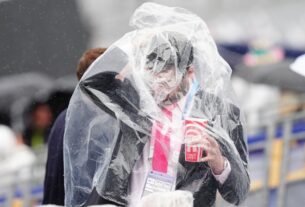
136 120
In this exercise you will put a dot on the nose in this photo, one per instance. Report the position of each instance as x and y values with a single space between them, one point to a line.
157 87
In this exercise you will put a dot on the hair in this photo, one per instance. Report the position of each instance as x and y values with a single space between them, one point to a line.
168 49
87 59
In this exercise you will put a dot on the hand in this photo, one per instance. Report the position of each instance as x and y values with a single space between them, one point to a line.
213 155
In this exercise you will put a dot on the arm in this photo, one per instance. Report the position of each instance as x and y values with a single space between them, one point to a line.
220 146
226 128
232 180
54 192
236 186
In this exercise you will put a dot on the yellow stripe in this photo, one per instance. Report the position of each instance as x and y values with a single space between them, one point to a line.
256 185
276 162
296 175
275 169
291 177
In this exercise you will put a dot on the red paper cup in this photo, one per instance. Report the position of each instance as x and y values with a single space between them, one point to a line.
193 129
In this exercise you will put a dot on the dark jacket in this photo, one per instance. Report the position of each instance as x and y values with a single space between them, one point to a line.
130 144
54 191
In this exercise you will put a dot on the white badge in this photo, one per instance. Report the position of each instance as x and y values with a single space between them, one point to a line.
158 182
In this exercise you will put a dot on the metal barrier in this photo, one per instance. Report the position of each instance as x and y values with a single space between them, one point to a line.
270 142
24 188
288 136
279 134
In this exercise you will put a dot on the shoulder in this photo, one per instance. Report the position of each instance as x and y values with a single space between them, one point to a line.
215 104
58 128
61 117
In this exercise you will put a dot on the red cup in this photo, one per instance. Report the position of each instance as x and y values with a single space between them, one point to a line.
193 129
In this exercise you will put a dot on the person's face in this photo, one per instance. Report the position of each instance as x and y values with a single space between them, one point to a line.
164 85
165 81
42 117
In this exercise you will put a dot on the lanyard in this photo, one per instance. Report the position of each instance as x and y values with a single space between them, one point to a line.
189 97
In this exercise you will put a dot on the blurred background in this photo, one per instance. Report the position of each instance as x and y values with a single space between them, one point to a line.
262 40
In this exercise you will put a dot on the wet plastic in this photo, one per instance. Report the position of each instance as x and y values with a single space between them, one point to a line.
169 63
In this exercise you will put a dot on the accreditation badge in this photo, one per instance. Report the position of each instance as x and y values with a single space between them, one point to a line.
158 182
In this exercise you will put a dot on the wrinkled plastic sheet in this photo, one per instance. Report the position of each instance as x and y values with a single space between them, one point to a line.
168 63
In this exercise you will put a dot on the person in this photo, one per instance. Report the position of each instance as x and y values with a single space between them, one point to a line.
54 192
156 114
16 159
41 118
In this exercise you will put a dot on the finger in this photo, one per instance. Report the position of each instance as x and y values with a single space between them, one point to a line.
210 150
205 159
212 141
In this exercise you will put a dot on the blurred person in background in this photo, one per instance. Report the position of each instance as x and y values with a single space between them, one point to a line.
16 158
39 124
54 192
